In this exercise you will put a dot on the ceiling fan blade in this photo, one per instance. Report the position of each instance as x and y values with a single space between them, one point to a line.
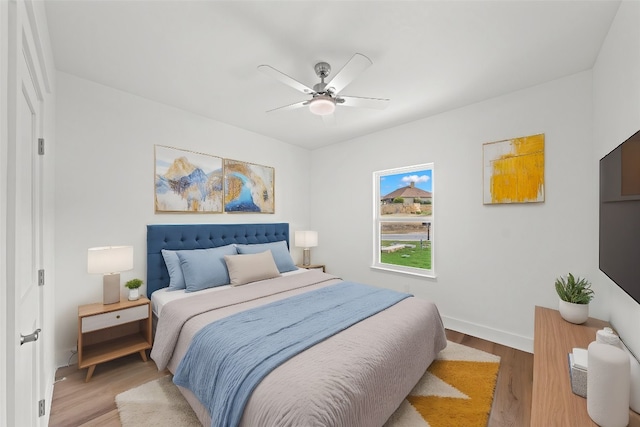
357 101
356 65
290 106
282 77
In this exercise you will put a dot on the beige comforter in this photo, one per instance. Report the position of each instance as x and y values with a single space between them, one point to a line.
355 378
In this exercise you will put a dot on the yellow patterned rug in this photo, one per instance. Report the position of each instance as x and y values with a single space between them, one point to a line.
456 391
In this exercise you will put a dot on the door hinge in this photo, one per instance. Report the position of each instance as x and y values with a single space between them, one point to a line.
41 146
41 277
41 408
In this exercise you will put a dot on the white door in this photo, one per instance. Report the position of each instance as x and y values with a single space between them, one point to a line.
24 225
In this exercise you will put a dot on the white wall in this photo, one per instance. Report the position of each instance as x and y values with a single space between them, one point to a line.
105 183
616 83
494 263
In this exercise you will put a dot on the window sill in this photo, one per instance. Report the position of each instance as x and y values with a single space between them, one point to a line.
411 272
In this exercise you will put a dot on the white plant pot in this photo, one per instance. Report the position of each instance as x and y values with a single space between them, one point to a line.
574 313
134 294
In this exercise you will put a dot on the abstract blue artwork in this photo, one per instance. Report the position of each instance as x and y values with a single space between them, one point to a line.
248 187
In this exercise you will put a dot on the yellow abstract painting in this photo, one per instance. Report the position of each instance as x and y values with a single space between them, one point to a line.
514 170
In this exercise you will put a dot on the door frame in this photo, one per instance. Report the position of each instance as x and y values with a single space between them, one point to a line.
4 55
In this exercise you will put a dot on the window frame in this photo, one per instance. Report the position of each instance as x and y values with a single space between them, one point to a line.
378 219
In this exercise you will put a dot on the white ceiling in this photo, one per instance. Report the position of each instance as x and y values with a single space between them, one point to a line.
428 56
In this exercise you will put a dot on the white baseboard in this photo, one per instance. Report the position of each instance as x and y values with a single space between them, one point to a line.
490 334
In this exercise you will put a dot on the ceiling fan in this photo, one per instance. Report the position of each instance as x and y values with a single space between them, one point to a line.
325 96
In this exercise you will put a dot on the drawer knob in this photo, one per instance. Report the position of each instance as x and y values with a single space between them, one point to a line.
118 316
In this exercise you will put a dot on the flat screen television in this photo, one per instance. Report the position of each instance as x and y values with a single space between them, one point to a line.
620 216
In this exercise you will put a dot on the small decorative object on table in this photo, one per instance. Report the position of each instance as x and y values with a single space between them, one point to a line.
575 294
578 363
133 285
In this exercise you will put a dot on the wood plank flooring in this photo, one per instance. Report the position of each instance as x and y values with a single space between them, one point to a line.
76 403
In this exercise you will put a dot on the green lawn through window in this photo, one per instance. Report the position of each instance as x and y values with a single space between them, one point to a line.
409 257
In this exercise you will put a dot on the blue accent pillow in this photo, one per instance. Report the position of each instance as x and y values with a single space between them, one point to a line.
205 268
176 278
279 250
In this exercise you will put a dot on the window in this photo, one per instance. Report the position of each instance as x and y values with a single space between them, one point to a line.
403 220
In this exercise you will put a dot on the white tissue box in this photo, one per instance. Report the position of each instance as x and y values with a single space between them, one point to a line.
578 377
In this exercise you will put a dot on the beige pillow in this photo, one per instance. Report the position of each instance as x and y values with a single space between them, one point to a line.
249 268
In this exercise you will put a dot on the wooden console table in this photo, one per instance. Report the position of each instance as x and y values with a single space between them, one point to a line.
553 402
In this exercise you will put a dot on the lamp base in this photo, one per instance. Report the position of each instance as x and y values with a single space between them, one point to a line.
111 288
306 257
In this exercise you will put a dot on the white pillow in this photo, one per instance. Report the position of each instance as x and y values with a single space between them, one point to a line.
249 268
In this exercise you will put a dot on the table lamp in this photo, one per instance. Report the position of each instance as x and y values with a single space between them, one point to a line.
110 261
306 240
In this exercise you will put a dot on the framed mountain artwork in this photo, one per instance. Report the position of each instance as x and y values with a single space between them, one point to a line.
186 181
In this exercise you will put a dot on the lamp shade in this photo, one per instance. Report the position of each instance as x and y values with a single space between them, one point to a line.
110 259
322 105
306 239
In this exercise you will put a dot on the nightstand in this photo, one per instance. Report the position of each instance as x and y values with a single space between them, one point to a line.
553 402
312 267
107 332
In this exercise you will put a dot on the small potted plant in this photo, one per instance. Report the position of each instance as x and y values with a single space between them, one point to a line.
575 295
133 285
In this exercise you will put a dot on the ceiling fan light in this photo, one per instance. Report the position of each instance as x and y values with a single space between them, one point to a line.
322 105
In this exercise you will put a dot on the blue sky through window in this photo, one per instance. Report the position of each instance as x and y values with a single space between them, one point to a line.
422 179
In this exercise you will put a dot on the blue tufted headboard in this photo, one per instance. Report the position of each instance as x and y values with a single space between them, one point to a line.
201 236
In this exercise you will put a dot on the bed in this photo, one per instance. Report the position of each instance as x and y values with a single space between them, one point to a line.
356 375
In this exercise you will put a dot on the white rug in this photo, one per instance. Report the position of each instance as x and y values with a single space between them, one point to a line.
158 403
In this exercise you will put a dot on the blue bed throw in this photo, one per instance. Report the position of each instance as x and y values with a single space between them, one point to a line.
228 358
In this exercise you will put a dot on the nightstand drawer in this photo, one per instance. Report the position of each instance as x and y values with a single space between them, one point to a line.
114 318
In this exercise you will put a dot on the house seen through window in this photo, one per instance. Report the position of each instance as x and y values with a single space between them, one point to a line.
403 225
